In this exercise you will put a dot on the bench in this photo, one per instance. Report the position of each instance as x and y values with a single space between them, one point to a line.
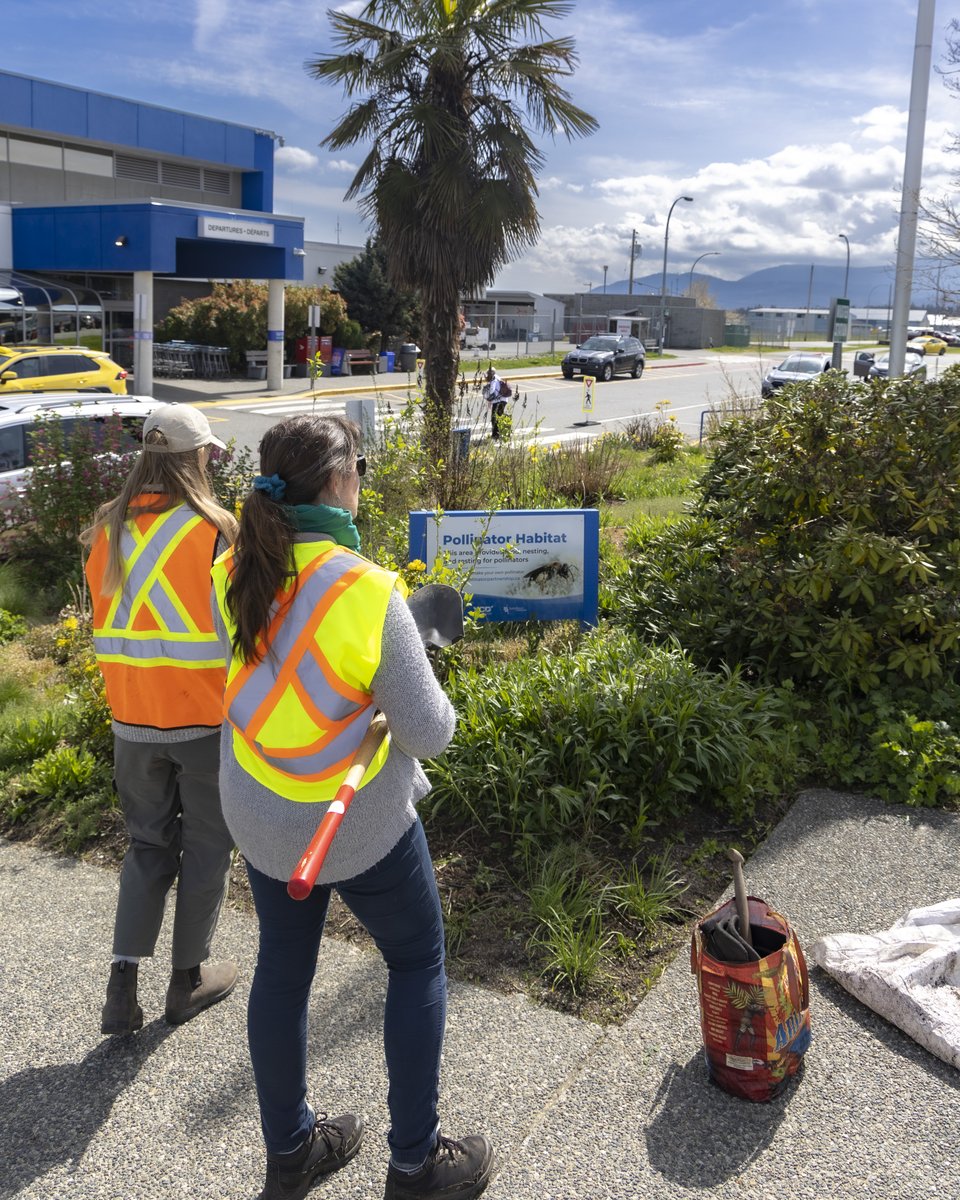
256 364
365 359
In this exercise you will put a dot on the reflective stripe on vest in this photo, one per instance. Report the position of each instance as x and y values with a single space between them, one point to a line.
154 638
176 639
299 715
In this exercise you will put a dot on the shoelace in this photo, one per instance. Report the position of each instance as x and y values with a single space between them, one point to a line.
447 1148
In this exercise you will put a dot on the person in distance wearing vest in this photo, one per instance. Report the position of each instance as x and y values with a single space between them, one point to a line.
151 549
321 638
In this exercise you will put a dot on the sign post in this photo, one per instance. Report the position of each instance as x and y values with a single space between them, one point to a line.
840 327
586 405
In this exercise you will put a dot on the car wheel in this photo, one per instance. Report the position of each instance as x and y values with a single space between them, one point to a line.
637 368
943 350
567 374
607 373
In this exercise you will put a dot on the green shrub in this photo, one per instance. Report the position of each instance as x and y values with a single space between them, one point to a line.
610 735
12 626
25 738
903 746
825 543
60 773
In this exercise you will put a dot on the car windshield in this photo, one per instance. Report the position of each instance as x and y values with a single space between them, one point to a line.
600 343
800 366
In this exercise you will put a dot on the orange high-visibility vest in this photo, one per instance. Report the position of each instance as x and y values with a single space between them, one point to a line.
299 714
154 638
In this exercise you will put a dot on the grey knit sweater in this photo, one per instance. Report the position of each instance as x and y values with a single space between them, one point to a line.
273 832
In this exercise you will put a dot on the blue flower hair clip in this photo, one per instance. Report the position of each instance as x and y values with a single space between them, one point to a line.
272 485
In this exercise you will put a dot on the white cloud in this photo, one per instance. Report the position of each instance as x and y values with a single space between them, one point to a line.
342 164
295 159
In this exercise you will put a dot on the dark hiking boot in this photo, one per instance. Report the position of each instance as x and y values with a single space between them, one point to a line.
196 988
454 1171
330 1146
122 1013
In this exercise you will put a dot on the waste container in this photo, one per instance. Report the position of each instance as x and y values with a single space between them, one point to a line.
389 356
408 356
461 442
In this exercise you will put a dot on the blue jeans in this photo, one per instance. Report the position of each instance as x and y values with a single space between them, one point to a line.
397 903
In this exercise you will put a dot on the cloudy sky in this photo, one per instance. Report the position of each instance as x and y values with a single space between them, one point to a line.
784 119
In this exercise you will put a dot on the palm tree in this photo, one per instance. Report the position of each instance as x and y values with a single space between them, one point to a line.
449 95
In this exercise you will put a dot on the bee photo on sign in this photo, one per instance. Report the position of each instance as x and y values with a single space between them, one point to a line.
588 382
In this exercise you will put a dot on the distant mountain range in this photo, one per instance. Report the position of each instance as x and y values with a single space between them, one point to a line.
790 286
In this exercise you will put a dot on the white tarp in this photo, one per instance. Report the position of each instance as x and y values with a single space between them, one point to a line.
909 974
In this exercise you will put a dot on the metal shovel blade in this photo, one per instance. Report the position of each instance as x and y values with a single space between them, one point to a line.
438 611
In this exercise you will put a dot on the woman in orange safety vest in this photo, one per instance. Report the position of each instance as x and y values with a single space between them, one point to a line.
151 549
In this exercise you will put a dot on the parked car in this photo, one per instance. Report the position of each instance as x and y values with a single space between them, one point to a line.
59 369
913 366
863 360
605 355
951 338
19 417
795 368
927 344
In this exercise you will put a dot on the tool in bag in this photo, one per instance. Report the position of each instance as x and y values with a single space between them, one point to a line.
754 994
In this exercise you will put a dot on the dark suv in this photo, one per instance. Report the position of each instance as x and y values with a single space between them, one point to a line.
605 355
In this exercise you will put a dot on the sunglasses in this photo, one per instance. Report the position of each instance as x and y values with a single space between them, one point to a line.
361 465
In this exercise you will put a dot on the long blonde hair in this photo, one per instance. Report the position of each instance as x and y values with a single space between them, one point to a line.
176 479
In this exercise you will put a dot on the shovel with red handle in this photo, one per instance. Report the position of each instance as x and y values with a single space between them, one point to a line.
438 612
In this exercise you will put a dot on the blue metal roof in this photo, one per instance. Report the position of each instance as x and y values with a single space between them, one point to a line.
154 235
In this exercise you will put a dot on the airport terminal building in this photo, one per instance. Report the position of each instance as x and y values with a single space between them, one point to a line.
109 208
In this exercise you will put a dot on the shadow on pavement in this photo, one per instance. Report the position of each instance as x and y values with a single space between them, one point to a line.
53 1113
699 1135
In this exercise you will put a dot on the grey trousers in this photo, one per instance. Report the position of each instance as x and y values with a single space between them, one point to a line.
171 803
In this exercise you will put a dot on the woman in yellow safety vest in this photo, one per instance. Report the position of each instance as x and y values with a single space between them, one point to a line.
318 639
151 549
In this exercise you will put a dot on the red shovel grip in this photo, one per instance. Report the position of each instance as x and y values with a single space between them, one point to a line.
300 883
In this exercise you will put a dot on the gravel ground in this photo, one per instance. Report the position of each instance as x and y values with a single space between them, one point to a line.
577 1113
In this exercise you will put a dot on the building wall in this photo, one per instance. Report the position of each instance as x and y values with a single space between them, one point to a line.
321 259
64 145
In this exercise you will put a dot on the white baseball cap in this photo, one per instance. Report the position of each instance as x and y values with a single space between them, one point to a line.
183 427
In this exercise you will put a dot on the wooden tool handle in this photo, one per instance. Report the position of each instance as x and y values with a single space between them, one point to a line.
740 892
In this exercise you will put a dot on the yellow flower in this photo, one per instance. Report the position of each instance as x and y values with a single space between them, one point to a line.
416 565
70 623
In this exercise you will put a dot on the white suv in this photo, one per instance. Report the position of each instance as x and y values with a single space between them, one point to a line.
19 415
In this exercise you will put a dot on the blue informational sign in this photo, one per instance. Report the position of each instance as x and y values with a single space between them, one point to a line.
526 564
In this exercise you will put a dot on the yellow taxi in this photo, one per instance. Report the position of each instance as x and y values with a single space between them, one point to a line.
927 344
59 369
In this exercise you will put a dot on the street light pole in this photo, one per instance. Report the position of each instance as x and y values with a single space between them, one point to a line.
694 267
604 280
663 282
846 274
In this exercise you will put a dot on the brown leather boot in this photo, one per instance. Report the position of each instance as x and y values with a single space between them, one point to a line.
122 1013
196 988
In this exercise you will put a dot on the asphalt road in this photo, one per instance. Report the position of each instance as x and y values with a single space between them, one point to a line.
545 407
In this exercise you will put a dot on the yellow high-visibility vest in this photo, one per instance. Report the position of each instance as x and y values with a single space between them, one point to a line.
154 638
298 715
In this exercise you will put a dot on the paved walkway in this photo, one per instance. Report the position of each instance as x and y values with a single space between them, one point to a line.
577 1112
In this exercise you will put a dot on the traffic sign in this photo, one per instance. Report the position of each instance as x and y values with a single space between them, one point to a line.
840 320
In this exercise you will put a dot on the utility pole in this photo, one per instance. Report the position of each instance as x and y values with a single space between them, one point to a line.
806 332
910 195
633 254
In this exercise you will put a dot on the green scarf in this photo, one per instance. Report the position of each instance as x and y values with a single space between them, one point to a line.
322 518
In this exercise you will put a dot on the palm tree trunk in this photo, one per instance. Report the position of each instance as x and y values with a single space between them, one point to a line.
441 348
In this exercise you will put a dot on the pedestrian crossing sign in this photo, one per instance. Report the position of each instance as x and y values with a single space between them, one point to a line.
588 385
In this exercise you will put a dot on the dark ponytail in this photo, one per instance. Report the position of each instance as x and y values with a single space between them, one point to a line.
305 452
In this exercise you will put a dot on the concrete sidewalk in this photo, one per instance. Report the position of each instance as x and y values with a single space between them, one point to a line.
576 1112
